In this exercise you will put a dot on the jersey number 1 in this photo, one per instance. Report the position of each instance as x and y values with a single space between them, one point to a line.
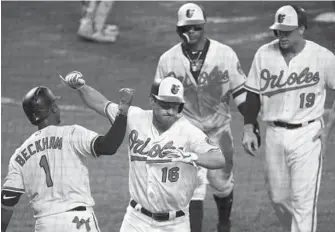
45 165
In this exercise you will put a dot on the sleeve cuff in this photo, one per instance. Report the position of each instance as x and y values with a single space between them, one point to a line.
251 89
94 154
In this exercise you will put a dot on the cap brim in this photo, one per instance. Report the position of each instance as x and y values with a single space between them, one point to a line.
190 22
281 27
169 99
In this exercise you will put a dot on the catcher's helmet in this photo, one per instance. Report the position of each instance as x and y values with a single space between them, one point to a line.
289 17
169 89
37 102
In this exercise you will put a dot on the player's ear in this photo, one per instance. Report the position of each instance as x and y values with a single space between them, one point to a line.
301 30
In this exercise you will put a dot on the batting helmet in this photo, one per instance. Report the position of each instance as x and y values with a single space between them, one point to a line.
37 102
169 89
190 14
289 17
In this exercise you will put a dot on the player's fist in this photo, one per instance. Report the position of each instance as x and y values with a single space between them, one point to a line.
73 79
126 98
250 140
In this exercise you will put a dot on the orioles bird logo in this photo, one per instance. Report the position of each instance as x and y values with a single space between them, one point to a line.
281 18
175 89
189 13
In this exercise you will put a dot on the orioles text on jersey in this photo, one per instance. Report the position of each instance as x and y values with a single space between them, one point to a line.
273 82
138 146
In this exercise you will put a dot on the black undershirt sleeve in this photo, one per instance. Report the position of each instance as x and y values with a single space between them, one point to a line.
110 143
251 108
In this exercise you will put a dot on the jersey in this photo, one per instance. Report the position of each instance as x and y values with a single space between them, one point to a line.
157 185
207 99
293 93
51 168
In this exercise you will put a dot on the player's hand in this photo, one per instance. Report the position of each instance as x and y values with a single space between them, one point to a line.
323 135
73 80
178 155
250 140
126 98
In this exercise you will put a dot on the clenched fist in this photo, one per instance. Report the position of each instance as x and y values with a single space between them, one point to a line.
73 79
126 98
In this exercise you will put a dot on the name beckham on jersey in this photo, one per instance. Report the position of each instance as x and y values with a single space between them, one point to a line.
138 146
274 82
38 146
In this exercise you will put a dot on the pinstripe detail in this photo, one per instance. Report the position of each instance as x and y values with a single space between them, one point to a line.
13 189
316 190
317 180
95 223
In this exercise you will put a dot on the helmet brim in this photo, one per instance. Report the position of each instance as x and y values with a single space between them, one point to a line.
281 27
171 99
190 22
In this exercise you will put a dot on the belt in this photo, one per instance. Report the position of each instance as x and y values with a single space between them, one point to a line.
156 216
78 208
291 126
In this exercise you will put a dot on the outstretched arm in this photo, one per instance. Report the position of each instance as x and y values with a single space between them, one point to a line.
90 96
93 99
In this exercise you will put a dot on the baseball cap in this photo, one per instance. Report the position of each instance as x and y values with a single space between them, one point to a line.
289 17
190 14
168 89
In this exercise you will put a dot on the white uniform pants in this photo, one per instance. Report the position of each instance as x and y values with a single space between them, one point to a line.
293 165
135 221
71 221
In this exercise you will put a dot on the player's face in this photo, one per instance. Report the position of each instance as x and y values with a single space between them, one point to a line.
165 113
194 32
287 39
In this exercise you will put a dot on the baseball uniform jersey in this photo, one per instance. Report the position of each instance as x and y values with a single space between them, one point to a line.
156 185
207 101
293 93
51 168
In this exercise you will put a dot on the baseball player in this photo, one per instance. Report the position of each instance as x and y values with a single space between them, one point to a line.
164 151
51 166
286 83
93 25
211 73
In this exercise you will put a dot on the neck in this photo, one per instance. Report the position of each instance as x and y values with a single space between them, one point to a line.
197 46
295 49
45 123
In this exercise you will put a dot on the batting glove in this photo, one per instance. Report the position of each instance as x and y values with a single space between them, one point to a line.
126 98
178 155
73 80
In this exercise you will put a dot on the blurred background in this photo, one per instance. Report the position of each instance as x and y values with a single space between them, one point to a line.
40 41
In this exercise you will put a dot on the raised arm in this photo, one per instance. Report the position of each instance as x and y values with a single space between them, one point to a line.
90 96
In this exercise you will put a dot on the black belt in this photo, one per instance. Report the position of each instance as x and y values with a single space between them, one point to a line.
290 126
78 208
156 216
